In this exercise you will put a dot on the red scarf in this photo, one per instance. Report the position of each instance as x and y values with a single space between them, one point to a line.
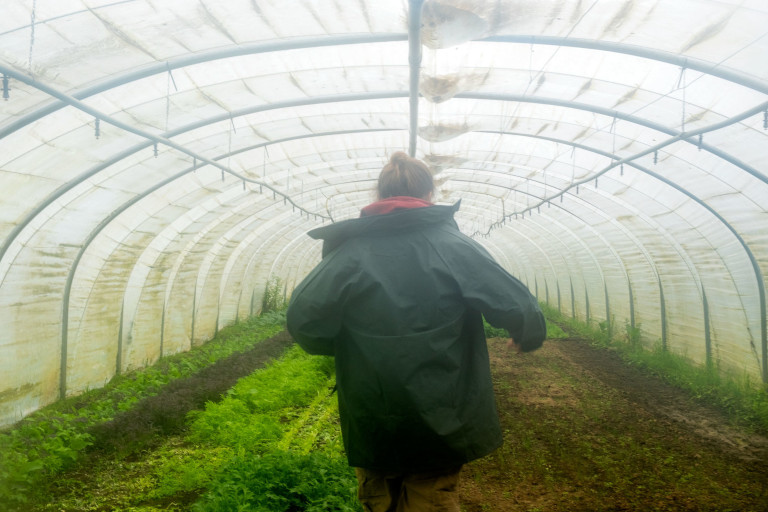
391 204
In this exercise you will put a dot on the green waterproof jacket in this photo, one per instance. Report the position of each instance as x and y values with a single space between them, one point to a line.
398 299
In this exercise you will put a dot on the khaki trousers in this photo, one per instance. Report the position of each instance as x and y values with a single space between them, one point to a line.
434 491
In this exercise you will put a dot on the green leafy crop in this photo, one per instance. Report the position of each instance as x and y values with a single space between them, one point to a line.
282 482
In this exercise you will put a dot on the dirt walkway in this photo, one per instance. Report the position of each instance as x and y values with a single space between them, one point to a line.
671 405
586 432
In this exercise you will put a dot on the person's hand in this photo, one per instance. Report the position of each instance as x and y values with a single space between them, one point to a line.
511 345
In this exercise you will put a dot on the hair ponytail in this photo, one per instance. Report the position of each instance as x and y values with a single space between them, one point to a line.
405 176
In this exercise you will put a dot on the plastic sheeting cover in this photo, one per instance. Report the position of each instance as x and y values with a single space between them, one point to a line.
160 162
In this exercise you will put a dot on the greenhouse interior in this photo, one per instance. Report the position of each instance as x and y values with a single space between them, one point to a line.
161 163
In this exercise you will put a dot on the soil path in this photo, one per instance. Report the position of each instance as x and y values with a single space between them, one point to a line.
584 431
671 405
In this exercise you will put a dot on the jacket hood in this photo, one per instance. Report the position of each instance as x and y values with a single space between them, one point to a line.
399 220
392 204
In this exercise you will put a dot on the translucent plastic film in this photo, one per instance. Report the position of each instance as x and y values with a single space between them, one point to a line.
161 163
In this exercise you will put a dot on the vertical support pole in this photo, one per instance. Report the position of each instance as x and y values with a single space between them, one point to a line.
64 343
663 316
586 298
237 309
573 301
119 356
559 308
414 61
707 332
218 311
631 305
162 330
608 322
194 310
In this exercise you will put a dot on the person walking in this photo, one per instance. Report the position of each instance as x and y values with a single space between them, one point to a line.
399 299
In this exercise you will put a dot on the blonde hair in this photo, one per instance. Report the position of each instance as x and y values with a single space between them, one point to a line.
405 176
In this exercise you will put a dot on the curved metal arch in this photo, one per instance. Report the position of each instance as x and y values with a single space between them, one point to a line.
587 148
610 113
303 43
592 257
530 241
626 233
708 68
255 253
756 267
71 100
84 248
196 58
569 104
750 255
243 245
350 97
23 223
690 267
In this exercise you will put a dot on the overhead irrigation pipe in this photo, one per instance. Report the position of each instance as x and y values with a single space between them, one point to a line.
414 61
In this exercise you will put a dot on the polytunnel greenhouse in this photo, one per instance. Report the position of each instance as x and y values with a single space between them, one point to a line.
161 163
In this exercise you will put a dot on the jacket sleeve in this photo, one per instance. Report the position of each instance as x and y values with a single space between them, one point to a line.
504 301
315 313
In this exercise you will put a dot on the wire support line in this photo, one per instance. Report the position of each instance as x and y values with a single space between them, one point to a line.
684 136
156 139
